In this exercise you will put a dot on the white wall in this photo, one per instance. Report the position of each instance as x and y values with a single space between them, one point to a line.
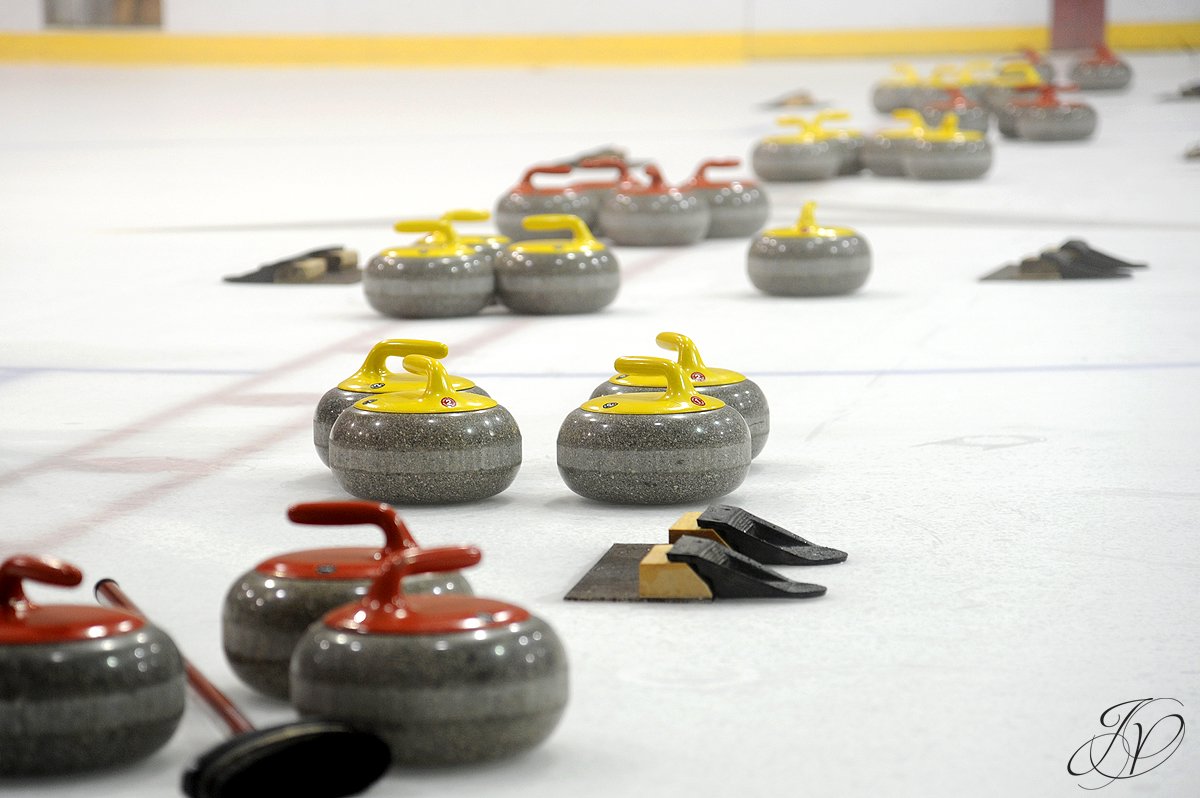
20 15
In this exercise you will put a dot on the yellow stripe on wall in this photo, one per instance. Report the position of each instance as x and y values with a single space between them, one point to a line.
149 47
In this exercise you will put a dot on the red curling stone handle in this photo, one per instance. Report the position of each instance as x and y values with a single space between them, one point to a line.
387 589
381 515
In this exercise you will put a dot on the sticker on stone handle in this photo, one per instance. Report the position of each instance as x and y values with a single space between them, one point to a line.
395 533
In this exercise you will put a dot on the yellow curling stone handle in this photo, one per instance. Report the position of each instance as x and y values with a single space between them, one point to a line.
375 377
824 133
465 215
442 241
807 227
581 235
805 133
948 131
438 395
906 75
689 360
914 120
678 397
1017 73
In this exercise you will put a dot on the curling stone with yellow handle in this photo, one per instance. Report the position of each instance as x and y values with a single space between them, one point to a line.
905 89
374 377
738 208
947 153
1014 78
654 215
600 190
730 387
848 141
1103 71
665 447
808 259
557 275
438 446
426 281
267 609
803 155
487 245
526 199
1040 63
883 153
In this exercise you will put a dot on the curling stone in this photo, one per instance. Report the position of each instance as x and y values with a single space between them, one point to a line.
971 115
486 245
81 687
427 281
654 448
1050 119
1041 65
557 275
883 153
737 208
1103 71
947 153
949 76
905 89
439 446
268 608
847 141
803 155
374 377
1015 78
442 679
600 190
526 199
654 215
730 387
809 260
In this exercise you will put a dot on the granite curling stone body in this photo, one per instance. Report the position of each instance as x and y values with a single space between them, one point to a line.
374 377
803 155
903 90
550 276
847 142
1048 118
267 609
443 680
808 259
883 154
654 215
526 199
947 153
440 446
730 387
738 208
427 281
81 687
487 245
654 448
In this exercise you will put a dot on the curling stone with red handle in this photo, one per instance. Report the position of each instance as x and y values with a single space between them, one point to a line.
1048 118
374 377
803 155
1102 71
971 115
732 388
81 687
883 153
654 215
268 608
737 208
808 259
1015 78
947 153
654 448
526 199
444 680
428 281
600 190
439 446
557 275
